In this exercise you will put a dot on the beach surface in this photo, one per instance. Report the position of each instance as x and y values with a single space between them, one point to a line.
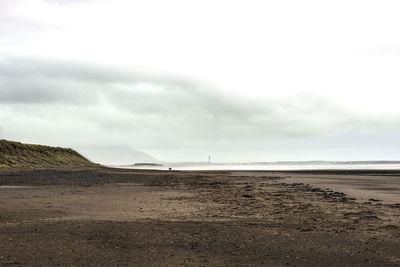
119 217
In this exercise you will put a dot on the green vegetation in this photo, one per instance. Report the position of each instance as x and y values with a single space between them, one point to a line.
18 155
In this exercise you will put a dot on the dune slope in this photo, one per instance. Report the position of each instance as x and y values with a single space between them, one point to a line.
19 155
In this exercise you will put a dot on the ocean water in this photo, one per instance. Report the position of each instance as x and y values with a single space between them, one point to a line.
12 186
268 167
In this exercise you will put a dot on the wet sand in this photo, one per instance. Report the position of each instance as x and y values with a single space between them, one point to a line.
365 186
106 217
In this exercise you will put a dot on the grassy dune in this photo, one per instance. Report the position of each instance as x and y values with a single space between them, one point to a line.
19 155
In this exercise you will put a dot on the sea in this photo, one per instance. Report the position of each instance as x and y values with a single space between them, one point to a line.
266 166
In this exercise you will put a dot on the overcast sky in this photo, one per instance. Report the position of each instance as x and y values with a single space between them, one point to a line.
181 80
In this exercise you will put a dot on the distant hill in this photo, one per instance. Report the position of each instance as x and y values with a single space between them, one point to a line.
15 154
115 154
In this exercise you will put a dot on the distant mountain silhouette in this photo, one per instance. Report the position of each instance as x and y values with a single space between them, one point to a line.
115 154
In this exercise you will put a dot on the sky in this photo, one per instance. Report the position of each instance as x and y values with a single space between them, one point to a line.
181 80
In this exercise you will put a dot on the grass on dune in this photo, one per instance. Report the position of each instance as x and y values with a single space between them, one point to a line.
15 154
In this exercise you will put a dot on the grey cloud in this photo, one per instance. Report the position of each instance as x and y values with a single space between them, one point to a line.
30 81
39 91
154 108
83 72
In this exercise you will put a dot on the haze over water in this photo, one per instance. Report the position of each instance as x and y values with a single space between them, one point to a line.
272 166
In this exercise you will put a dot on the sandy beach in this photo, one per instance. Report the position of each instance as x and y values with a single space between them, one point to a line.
117 217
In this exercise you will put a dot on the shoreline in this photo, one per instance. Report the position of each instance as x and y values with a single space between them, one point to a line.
363 185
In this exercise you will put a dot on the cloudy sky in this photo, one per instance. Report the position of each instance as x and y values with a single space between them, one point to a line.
181 80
